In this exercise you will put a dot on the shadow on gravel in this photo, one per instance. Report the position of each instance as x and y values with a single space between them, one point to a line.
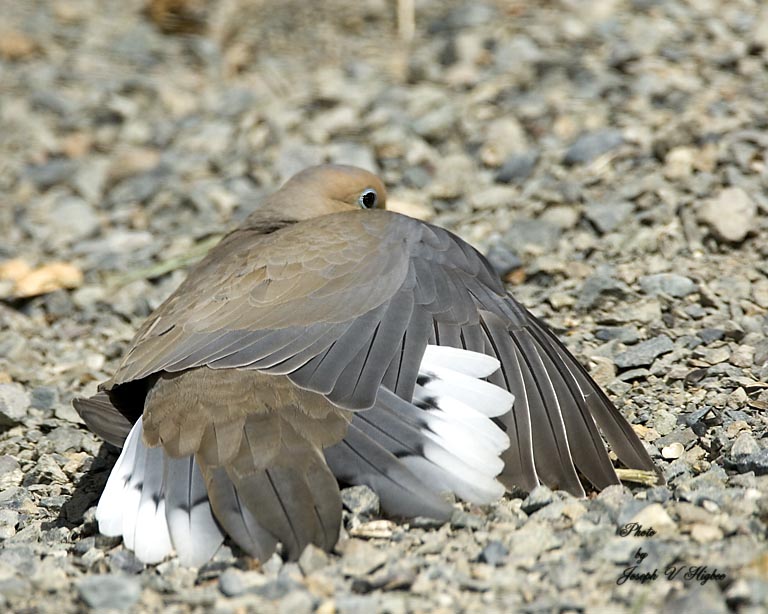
87 490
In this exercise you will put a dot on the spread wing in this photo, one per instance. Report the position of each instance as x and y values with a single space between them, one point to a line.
344 303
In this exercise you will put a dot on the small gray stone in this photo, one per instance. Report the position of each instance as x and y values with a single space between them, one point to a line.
360 500
464 520
745 445
12 344
124 561
494 197
14 588
296 602
71 219
598 286
731 215
90 179
312 559
416 177
14 402
138 188
437 124
44 397
356 154
706 599
757 462
10 472
708 335
539 497
517 167
592 145
503 260
109 591
495 553
8 521
277 588
672 284
465 16
643 354
232 583
66 438
607 217
664 422
361 558
46 175
532 235
625 334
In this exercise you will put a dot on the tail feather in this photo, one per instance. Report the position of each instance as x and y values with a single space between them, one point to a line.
133 505
194 532
103 418
158 503
236 518
288 490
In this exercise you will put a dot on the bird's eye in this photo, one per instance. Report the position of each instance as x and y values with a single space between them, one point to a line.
368 199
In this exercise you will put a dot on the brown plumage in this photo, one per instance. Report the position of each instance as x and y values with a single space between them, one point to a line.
298 340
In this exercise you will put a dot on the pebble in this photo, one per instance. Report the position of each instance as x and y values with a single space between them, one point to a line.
597 287
592 145
10 472
494 197
72 219
312 559
756 462
360 500
745 445
730 215
234 582
49 174
14 402
607 217
654 515
518 167
673 450
361 558
624 334
109 591
644 353
671 284
532 236
702 599
539 497
503 260
495 553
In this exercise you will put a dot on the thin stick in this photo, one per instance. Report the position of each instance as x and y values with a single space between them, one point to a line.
406 19
197 252
638 476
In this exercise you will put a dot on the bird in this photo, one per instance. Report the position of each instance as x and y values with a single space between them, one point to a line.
328 341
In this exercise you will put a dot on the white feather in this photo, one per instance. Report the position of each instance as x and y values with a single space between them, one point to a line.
474 425
462 445
195 534
109 512
152 542
470 363
135 505
482 396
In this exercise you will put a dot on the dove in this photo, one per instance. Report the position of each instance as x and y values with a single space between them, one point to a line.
327 341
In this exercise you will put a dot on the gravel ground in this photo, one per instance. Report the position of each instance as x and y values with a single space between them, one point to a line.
609 157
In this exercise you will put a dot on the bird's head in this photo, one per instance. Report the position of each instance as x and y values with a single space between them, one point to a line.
327 188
